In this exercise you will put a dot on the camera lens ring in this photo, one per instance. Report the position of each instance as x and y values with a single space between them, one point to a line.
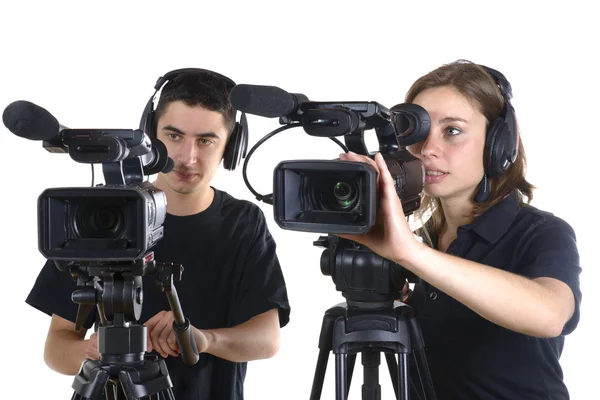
342 191
106 222
344 195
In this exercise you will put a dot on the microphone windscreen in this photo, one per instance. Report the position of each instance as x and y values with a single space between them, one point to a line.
265 101
30 121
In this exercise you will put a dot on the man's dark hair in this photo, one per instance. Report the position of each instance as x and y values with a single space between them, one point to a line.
199 89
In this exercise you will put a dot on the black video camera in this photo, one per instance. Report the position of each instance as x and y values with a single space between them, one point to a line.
118 221
342 196
334 196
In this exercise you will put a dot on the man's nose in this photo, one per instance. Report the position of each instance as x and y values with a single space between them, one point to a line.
189 153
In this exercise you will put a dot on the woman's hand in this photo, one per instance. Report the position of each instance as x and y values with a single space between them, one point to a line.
391 236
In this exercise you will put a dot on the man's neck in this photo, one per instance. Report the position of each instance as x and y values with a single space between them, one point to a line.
189 204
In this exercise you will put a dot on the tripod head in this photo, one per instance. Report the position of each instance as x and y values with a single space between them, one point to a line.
115 288
365 279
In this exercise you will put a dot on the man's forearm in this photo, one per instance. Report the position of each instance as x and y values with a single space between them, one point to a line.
65 351
255 339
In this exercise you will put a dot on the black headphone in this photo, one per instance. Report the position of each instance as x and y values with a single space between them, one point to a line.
237 145
502 138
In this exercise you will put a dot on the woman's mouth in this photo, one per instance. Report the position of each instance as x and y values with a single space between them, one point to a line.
434 176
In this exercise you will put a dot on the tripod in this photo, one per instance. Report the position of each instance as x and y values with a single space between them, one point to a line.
123 370
346 332
369 323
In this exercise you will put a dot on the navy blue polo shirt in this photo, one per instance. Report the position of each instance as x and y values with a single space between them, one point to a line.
472 358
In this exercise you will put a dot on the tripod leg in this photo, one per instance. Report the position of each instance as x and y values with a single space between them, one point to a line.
90 382
421 359
113 392
170 395
340 377
325 346
393 369
351 362
319 378
403 382
371 389
423 372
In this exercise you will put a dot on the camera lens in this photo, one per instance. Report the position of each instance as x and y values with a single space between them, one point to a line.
344 194
99 222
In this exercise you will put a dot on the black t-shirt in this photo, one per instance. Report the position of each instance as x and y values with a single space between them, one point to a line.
472 358
231 274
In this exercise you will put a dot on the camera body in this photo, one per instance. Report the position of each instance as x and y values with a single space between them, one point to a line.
109 223
120 220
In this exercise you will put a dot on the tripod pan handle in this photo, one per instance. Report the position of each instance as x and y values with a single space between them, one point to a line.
186 342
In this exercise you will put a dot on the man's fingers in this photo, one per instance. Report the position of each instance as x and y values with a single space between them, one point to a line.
153 321
149 347
154 337
164 342
172 342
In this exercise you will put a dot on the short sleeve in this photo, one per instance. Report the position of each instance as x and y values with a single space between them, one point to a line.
52 292
262 285
551 251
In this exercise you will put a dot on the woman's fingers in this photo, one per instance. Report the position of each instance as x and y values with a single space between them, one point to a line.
350 156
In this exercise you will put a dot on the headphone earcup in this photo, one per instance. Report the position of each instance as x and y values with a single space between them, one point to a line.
500 150
491 156
147 120
231 155
150 127
237 145
502 140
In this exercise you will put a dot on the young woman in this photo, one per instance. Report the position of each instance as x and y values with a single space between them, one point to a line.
499 285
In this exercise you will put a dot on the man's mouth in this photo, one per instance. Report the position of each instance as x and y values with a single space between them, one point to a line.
184 175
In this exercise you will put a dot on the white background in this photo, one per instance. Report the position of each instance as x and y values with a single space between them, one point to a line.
94 66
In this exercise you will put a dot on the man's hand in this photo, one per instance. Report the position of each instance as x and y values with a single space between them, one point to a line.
91 351
161 335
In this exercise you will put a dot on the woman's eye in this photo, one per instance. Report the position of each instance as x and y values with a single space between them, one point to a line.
453 131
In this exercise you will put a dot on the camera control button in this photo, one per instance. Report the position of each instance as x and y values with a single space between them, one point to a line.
433 295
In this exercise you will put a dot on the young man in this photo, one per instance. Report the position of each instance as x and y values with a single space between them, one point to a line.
232 288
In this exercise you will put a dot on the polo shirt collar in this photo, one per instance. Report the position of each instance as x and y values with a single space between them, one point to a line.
494 223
